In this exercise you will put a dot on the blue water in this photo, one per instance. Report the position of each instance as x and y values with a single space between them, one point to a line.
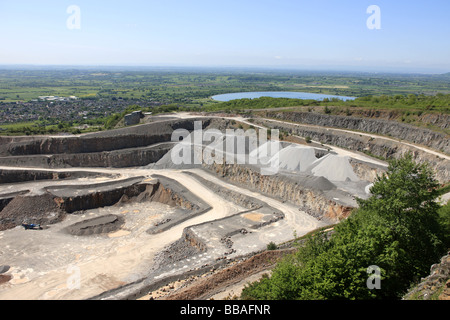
277 94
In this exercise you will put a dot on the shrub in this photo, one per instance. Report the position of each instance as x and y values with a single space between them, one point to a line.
400 228
272 246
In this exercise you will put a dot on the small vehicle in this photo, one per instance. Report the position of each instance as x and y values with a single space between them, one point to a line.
31 226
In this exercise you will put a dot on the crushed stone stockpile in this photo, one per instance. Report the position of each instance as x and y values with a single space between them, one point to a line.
295 158
325 173
236 143
188 153
40 209
267 151
334 168
191 160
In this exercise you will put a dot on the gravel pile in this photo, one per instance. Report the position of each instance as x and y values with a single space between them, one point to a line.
186 155
42 209
334 168
103 224
295 158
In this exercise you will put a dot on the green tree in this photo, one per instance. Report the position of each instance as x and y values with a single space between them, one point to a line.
444 220
397 229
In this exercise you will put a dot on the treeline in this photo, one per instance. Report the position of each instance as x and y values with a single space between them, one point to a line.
439 102
379 252
260 103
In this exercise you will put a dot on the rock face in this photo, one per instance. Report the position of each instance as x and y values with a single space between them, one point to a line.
353 141
72 199
131 157
436 286
55 202
312 195
133 118
125 138
126 147
423 136
365 171
14 176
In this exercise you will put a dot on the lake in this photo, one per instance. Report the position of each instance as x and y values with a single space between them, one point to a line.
277 94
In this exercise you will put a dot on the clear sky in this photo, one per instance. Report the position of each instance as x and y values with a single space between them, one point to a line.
319 34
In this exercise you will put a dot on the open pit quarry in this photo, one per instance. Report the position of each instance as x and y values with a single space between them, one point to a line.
118 218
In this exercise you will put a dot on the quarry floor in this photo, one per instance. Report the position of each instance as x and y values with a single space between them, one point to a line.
46 264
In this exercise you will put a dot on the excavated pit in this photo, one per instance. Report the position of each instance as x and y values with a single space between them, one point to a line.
38 209
55 202
119 192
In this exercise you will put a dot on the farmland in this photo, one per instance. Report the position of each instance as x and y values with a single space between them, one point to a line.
103 93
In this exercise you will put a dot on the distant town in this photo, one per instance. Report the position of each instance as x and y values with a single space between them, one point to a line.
54 108
55 98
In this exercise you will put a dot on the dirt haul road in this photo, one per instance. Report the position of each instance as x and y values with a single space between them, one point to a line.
47 263
45 270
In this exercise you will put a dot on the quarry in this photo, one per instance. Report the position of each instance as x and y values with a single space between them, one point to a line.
137 212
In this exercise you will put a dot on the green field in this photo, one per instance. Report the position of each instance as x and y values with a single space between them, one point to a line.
170 89
196 85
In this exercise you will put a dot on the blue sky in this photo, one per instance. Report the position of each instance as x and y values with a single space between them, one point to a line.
320 34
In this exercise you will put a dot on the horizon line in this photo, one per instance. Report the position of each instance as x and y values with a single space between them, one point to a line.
382 70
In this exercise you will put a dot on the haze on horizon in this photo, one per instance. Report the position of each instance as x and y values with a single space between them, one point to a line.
313 35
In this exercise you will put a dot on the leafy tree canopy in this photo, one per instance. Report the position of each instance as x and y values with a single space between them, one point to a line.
399 229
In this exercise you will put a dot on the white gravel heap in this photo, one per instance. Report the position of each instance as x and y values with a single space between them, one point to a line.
295 158
334 168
